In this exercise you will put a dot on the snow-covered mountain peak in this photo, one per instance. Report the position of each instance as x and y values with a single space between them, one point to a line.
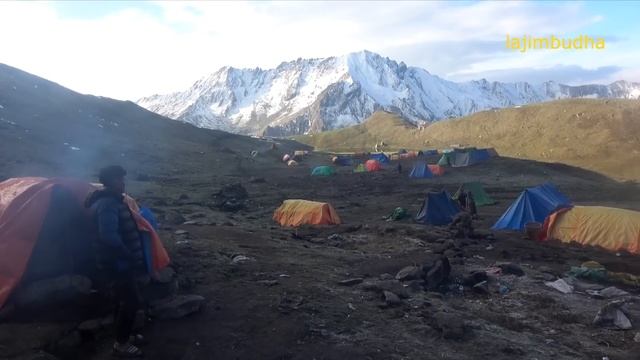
311 95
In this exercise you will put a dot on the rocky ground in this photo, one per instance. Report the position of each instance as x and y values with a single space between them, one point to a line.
332 292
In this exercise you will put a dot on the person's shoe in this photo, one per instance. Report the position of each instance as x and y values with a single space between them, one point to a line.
126 350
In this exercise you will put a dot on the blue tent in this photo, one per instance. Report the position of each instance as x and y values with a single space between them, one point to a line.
343 161
437 209
427 152
380 157
420 171
533 204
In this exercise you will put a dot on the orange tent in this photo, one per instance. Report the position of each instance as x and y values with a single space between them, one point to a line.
373 165
25 204
298 212
610 228
436 170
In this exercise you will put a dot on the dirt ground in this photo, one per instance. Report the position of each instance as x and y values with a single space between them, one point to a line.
306 314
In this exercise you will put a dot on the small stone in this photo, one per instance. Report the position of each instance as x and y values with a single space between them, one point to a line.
70 341
386 276
446 245
636 338
91 326
177 307
393 286
173 217
190 222
268 282
409 273
391 299
239 259
451 325
481 288
512 269
181 232
350 282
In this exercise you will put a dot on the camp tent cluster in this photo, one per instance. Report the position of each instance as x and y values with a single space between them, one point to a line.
45 231
465 157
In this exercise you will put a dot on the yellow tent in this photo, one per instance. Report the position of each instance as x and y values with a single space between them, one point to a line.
299 212
611 228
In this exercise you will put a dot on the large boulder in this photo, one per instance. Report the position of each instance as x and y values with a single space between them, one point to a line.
176 307
52 291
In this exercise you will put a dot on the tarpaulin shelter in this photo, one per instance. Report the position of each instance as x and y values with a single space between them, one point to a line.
480 196
421 171
533 205
436 170
429 152
610 228
373 165
323 171
437 209
45 231
296 212
380 157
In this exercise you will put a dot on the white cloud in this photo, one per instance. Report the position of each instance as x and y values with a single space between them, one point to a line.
133 53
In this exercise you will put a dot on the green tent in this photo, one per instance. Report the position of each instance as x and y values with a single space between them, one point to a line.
323 171
479 195
444 160
360 168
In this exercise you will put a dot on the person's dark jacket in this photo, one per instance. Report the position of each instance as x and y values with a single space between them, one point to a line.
119 245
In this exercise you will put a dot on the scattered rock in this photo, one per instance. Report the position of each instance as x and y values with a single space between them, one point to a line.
239 259
561 286
481 288
385 276
636 338
391 299
177 307
474 278
190 222
268 282
181 232
511 269
143 177
409 273
446 245
174 217
612 315
393 286
436 274
451 325
257 180
69 342
231 198
91 326
50 291
350 282
608 293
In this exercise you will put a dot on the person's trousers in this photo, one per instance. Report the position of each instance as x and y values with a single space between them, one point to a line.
128 302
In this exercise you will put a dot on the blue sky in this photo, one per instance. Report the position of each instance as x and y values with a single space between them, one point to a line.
127 49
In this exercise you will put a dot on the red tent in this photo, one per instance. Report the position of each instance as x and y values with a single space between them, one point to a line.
373 165
25 206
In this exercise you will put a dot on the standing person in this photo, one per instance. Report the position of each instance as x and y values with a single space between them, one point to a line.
119 254
462 200
471 205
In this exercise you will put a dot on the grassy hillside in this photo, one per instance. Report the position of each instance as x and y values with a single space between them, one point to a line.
601 135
